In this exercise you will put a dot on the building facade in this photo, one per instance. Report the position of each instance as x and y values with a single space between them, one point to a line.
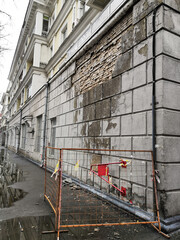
101 74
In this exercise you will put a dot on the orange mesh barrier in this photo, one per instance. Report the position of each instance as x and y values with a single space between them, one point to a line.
84 180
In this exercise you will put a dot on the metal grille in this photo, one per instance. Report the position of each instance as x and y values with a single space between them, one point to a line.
87 181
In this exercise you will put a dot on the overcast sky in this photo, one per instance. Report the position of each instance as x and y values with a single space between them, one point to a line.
16 9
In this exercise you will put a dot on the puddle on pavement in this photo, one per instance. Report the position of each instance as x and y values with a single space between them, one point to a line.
9 174
28 228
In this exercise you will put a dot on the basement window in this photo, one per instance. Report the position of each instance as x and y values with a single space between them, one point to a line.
64 33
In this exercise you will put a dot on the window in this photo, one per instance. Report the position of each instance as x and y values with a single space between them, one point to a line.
22 97
45 24
29 89
53 135
38 134
81 8
64 33
21 75
74 16
23 139
51 51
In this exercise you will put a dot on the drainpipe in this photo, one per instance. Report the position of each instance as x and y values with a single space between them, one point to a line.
44 128
19 136
154 95
6 143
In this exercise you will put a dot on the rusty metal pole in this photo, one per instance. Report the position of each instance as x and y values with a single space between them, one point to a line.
45 172
59 194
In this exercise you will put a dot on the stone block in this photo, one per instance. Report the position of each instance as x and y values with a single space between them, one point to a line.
64 131
78 116
138 175
120 143
71 69
68 142
127 39
98 90
134 124
149 200
143 8
139 33
139 76
171 95
63 97
93 95
114 170
127 80
83 129
96 159
85 99
142 52
169 176
123 63
86 143
102 143
89 112
69 117
103 109
174 4
167 122
168 149
168 68
139 195
77 102
95 128
73 129
142 98
62 120
111 87
111 127
165 17
159 121
142 143
168 43
158 21
121 104
169 204
64 75
58 132
149 70
77 142
171 122
67 84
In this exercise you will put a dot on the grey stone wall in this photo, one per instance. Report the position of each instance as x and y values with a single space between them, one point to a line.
103 100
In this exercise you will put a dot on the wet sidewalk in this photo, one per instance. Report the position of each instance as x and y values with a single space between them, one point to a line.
24 214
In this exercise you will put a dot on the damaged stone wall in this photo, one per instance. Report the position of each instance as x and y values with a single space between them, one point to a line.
103 100
107 101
